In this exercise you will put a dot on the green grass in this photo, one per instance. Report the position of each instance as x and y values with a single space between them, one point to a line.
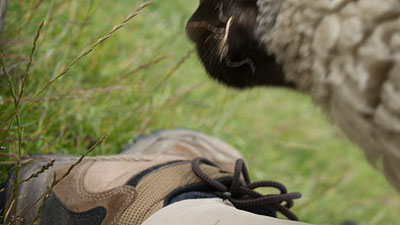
282 135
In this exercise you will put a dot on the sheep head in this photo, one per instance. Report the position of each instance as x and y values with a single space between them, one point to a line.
224 33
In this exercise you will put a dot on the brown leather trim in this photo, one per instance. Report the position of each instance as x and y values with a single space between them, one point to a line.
73 194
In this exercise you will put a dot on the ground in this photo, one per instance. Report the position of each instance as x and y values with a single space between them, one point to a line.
146 77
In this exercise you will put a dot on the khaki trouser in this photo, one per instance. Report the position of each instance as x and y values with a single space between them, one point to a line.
209 212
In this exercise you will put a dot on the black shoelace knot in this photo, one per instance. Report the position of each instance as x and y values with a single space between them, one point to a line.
241 194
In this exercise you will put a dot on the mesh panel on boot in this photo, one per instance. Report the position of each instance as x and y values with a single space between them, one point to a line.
153 189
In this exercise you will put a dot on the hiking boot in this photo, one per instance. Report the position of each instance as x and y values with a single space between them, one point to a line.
130 187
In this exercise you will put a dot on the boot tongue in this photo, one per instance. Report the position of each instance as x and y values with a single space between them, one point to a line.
196 190
134 181
201 190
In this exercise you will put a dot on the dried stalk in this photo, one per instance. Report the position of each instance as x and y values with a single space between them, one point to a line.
30 62
19 130
141 67
42 170
174 69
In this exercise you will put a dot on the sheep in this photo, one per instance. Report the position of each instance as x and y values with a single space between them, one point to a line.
344 53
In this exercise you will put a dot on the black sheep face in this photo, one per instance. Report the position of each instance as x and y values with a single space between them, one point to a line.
224 33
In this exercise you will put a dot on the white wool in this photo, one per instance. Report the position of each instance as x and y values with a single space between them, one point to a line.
346 54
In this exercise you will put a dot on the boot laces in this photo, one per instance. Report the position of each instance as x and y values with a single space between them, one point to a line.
241 194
